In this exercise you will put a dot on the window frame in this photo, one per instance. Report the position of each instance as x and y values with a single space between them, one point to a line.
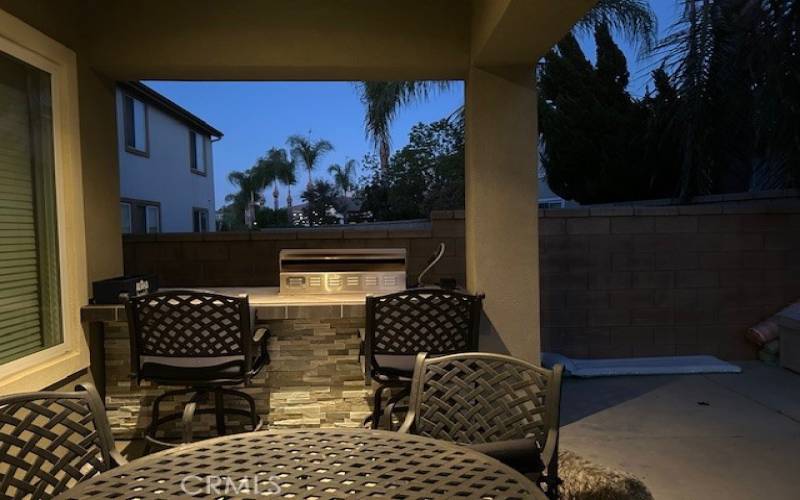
547 202
147 207
53 364
195 136
125 131
200 210
130 216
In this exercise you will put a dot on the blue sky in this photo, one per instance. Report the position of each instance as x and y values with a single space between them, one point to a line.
255 116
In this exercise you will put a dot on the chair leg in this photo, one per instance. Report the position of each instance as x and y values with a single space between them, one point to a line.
152 429
376 406
219 407
391 404
186 420
254 418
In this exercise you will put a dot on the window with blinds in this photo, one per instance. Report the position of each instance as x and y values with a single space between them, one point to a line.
30 312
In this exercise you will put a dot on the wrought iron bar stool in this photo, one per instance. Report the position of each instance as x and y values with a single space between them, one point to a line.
400 325
50 441
201 341
499 405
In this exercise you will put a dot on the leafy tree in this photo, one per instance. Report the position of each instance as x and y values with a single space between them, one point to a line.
274 168
308 152
425 175
320 201
267 217
344 176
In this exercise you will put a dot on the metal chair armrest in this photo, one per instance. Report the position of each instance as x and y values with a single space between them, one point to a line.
260 333
408 423
117 458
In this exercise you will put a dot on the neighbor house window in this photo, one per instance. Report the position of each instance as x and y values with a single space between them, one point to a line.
152 219
126 215
135 118
200 218
552 203
30 304
197 152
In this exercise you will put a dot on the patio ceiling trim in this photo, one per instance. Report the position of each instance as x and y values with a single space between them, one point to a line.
519 32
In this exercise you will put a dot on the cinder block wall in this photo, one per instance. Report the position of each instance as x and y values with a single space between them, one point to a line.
615 281
647 281
251 258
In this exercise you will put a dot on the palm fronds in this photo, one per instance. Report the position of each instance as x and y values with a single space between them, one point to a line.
308 152
382 100
344 176
633 18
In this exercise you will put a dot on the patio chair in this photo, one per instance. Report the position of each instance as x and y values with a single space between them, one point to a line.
400 325
50 441
496 404
201 341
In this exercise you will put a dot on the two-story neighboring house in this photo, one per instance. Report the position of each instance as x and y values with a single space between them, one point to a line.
165 165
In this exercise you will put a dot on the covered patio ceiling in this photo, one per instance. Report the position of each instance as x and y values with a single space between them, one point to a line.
304 39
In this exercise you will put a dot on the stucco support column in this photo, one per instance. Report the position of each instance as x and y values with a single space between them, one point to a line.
502 241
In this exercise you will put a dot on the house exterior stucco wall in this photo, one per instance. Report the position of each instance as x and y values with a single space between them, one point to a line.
164 175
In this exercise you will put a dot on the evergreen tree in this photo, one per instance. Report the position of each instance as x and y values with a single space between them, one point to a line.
593 131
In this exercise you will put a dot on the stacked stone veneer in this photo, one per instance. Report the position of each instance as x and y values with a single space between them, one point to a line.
314 379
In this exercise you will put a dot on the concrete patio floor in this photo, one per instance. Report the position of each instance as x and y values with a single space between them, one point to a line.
692 436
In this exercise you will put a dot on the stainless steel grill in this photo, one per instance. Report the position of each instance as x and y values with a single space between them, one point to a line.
342 271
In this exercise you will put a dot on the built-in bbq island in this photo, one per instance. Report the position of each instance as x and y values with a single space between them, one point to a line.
315 377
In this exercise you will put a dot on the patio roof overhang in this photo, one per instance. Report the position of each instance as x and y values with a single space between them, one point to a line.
302 39
491 44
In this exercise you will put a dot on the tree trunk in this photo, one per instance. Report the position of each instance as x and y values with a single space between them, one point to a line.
289 207
384 157
275 195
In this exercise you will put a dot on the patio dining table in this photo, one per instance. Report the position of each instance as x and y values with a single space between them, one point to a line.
312 463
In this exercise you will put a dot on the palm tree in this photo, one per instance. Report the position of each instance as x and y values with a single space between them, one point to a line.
290 181
274 168
382 100
250 186
736 64
308 152
343 176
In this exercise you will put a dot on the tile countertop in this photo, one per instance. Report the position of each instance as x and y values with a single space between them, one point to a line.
267 303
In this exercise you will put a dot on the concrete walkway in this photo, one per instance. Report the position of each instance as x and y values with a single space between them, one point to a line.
692 436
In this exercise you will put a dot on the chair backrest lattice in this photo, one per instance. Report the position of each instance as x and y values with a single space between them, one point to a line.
50 441
188 324
482 398
423 320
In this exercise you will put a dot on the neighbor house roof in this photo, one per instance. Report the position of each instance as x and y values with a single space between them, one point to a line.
145 93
